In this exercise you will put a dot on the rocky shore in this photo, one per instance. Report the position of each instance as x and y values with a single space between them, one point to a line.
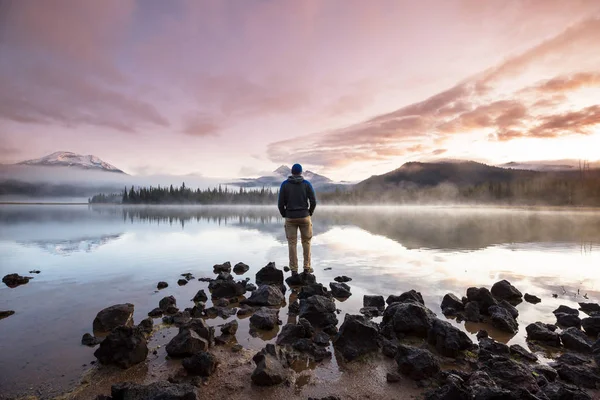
395 347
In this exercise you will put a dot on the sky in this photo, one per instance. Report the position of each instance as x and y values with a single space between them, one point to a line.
347 88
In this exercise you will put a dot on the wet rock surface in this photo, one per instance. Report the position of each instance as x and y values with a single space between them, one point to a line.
575 339
340 290
502 319
112 317
505 291
225 267
6 313
411 318
156 390
270 275
448 340
14 280
186 344
125 346
416 363
531 298
411 295
318 310
265 318
271 367
241 268
201 363
265 295
541 332
162 285
90 340
357 336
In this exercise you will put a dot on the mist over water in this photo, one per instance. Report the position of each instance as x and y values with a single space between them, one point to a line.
92 257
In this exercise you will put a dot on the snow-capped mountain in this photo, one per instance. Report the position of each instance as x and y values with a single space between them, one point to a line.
69 159
280 174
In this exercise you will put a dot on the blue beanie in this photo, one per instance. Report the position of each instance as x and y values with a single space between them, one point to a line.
296 169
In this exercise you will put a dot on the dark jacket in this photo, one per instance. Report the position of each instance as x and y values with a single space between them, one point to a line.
296 198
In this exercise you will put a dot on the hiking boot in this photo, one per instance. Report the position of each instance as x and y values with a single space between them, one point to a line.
308 270
294 273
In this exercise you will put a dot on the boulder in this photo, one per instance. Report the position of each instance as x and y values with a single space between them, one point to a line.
472 312
560 391
167 302
270 275
451 304
6 313
509 307
322 339
488 347
182 282
265 318
186 343
302 279
178 319
448 340
580 375
265 295
146 325
315 289
200 297
357 337
374 301
481 334
409 318
125 346
540 332
294 307
517 349
227 288
567 320
591 325
188 276
340 290
371 312
416 363
155 390
311 349
271 367
113 316
171 310
156 313
565 310
575 339
505 291
230 328
201 328
222 276
162 285
245 310
531 298
502 319
589 308
510 374
482 297
290 333
388 348
411 295
547 371
318 310
250 287
484 388
342 279
241 268
14 280
89 340
201 363
225 267
453 389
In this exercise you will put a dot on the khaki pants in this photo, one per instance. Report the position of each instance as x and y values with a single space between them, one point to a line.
291 232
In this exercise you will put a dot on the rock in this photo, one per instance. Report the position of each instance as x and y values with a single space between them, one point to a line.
250 287
301 279
14 280
502 319
483 297
318 310
522 352
286 269
157 312
197 311
482 333
454 389
182 282
186 343
308 347
547 371
265 295
510 374
230 328
417 363
410 318
225 267
371 312
374 301
265 318
321 339
488 347
342 279
560 391
146 325
505 291
589 307
35 271
591 325
270 367
241 268
565 310
125 346
294 307
89 340
200 297
5 314
166 302
270 275
290 333
567 320
155 390
448 340
245 310
227 288
393 377
357 337
340 290
201 328
223 276
575 339
540 332
388 348
411 295
225 312
162 285
596 352
220 303
579 375
472 312
171 310
531 298
315 289
113 316
451 304
509 307
188 276
484 388
201 363
331 330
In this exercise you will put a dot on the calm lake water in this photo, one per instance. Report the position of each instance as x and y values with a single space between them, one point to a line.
94 257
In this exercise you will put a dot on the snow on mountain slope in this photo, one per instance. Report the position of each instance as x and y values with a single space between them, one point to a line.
69 159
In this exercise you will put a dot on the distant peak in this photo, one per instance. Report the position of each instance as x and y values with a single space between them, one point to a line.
70 159
283 170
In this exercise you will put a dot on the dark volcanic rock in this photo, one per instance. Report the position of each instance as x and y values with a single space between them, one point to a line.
482 297
270 275
188 276
522 352
566 310
315 289
113 316
504 290
155 390
286 269
318 310
560 391
549 373
531 298
472 312
322 339
227 288
200 297
301 279
579 375
596 352
245 310
373 301
409 296
502 319
162 285
342 279
290 333
416 363
89 340
591 325
124 346
340 290
310 348
201 363
241 268
509 307
223 276
14 280
388 348
271 367
393 377
146 325
265 318
230 328
410 318
451 304
481 334
575 339
167 302
265 295
7 313
201 328
250 287
225 267
540 332
294 307
186 343
448 340
371 312
182 282
453 389
510 374
357 337
484 388
488 347
589 308
567 320
157 312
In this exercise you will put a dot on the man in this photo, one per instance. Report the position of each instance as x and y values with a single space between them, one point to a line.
296 204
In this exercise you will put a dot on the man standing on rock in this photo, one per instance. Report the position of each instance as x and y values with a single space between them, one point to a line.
297 202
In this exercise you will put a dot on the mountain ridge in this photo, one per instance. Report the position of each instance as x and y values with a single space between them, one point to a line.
74 160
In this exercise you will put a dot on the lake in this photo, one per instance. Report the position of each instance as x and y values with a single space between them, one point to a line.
91 257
